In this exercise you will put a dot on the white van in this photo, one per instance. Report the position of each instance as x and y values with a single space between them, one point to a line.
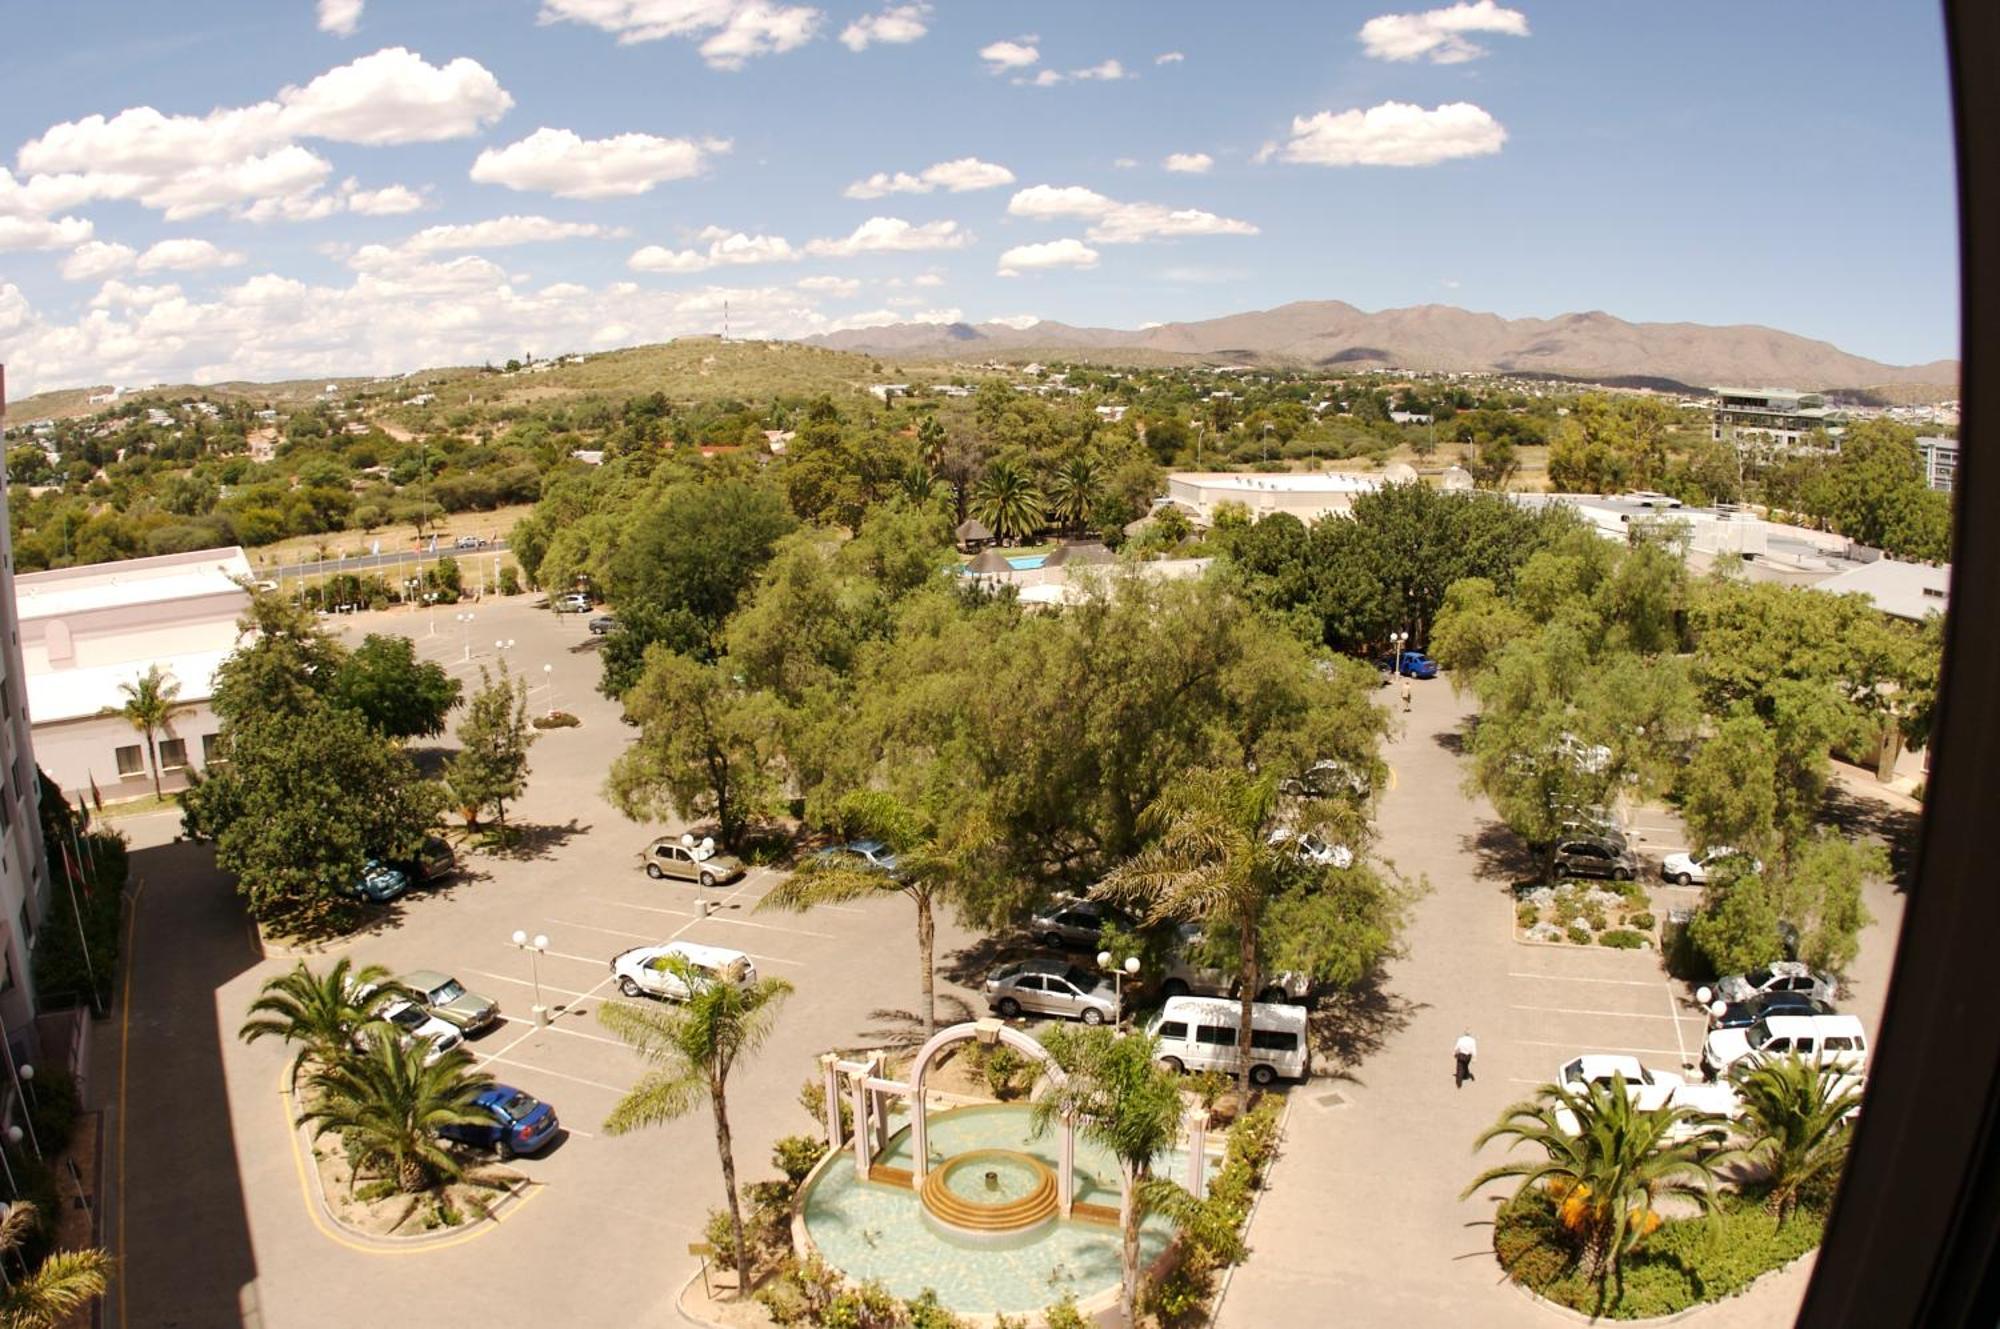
1836 1040
1199 1034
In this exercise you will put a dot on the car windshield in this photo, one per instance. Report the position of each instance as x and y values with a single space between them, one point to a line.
449 990
408 1017
520 1105
1757 978
1082 979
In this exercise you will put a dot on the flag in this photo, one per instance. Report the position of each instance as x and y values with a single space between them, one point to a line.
96 794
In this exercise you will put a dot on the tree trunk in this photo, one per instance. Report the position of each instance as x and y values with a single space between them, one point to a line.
1247 964
1128 1244
410 1175
719 1101
153 759
926 940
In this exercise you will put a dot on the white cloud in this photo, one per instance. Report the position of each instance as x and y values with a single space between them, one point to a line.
560 162
97 258
891 234
1116 223
117 295
731 31
1124 163
188 255
1189 163
248 158
388 201
1017 54
1392 134
1440 34
1049 254
895 26
840 287
1110 71
339 17
725 249
1169 58
1047 78
958 176
42 233
928 279
1018 322
501 232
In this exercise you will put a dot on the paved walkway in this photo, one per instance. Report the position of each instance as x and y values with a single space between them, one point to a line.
1363 1224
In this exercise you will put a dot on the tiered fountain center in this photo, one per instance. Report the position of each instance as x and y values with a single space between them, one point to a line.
989 1192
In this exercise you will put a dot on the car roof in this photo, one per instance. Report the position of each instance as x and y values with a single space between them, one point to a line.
496 1095
1270 1014
427 978
1605 1063
713 956
1792 1026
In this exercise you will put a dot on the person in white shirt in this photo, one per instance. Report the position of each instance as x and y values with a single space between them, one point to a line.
1462 1053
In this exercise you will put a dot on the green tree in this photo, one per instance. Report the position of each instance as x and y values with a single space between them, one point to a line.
491 765
1797 1113
285 667
1007 500
1729 790
59 1288
935 863
697 549
1607 1163
321 1012
1075 489
387 1103
691 1048
152 702
396 693
1115 1091
706 747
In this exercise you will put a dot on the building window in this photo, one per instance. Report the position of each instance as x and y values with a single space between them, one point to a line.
211 749
131 761
173 754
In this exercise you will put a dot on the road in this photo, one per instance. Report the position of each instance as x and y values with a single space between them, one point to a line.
374 562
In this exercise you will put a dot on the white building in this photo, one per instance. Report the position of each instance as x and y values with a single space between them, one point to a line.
1940 458
84 631
1308 496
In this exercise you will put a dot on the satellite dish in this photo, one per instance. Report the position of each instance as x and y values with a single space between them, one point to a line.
1704 995
687 841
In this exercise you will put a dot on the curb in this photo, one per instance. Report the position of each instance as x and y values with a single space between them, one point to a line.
1575 1316
1249 1222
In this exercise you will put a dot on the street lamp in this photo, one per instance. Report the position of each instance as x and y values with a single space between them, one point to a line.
534 947
1118 974
1396 640
465 634
503 644
549 677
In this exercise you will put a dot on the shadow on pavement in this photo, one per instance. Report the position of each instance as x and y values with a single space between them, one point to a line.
1856 815
1350 1026
1502 856
1451 740
904 1031
970 964
536 840
184 1246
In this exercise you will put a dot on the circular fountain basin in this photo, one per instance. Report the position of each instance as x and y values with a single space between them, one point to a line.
989 1193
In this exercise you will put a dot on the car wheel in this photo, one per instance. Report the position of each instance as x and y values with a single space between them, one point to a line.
1009 1008
708 879
1053 940
1263 1076
503 1150
1092 1016
653 871
1174 1064
628 987
1174 987
1683 879
1274 994
1621 874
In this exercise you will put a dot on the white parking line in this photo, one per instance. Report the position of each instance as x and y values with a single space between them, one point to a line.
543 1070
592 927
719 917
526 983
772 959
1573 1010
1539 1043
1674 1012
573 1033
769 927
1570 978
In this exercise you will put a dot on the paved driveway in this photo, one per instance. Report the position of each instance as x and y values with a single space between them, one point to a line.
210 1219
1363 1224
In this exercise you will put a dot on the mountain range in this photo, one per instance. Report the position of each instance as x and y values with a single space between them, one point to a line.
1332 334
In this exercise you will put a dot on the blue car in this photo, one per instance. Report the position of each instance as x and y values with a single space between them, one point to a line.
518 1123
1411 664
380 883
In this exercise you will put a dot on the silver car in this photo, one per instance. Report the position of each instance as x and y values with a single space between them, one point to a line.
1050 987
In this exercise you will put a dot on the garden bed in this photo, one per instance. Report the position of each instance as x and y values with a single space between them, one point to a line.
1617 914
1684 1262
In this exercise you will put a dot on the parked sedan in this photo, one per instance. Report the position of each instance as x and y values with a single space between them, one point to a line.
602 624
1050 987
575 602
1686 869
516 1123
380 883
1743 1014
1411 664
1312 849
447 999
861 854
1594 856
657 971
684 860
414 1025
1073 923
1780 976
433 863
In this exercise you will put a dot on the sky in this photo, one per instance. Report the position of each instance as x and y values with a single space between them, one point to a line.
273 189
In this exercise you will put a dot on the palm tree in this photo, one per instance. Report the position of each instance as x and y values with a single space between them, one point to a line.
1007 500
1074 490
1120 1098
1607 1163
932 863
152 703
692 1048
1212 862
322 1013
1798 1111
389 1101
931 440
63 1284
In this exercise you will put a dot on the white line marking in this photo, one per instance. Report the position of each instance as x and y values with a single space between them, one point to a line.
772 959
573 1033
1572 1010
768 927
1539 1043
1570 978
526 983
590 927
543 1070
649 908
1674 1011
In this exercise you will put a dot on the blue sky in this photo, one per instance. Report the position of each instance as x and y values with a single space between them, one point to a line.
325 186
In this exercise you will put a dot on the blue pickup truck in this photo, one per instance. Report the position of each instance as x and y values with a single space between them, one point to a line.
1410 664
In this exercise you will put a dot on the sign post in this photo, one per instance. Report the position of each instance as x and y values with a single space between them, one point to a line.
703 1250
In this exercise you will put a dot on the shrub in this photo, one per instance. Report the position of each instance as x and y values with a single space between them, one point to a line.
1643 921
1526 915
1567 908
510 580
380 1189
720 1234
1065 1315
1005 1070
1253 1140
1579 934
1594 917
556 720
796 1155
53 1108
924 1312
1622 939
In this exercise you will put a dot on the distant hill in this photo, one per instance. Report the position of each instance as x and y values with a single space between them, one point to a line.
1335 335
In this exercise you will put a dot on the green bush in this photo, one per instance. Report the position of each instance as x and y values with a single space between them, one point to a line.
796 1155
510 580
1005 1071
1579 934
1253 1140
1622 939
53 1108
1065 1315
1642 921
720 1234
1567 910
1526 915
380 1189
924 1312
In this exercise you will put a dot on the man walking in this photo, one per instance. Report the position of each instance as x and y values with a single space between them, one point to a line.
1462 1053
1406 696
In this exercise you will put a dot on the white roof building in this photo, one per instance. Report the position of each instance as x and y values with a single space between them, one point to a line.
1308 496
1901 590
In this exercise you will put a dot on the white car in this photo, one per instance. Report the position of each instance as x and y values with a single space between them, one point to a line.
1314 850
649 971
414 1024
1184 977
1686 869
1647 1088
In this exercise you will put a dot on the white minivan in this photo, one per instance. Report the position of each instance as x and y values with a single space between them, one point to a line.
1836 1040
1199 1034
